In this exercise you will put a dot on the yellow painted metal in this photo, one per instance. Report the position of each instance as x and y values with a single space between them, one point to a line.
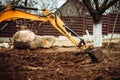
57 23
54 20
17 14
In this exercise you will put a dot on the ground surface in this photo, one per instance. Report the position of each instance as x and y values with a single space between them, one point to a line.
58 63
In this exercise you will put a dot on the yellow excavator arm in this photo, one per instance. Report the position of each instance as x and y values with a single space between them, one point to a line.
13 12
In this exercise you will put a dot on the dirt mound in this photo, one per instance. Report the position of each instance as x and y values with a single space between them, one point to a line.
58 63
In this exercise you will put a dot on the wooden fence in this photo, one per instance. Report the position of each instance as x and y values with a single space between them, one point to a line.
75 23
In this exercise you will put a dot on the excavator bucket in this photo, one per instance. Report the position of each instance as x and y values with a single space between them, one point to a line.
96 54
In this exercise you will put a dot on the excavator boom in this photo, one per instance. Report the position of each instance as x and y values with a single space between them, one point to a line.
13 12
54 20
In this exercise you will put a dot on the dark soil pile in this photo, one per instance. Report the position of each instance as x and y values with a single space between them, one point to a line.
58 64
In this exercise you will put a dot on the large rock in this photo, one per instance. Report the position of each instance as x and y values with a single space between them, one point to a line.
42 42
23 38
26 39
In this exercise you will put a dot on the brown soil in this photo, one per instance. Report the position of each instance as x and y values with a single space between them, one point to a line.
58 63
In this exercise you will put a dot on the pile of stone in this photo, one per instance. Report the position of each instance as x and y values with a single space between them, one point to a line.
26 39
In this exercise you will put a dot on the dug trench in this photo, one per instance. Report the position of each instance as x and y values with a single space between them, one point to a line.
58 63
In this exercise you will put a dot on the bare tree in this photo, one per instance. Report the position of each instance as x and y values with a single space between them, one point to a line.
96 8
97 11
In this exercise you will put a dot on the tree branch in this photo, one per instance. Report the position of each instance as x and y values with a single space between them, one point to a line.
105 7
96 4
88 5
